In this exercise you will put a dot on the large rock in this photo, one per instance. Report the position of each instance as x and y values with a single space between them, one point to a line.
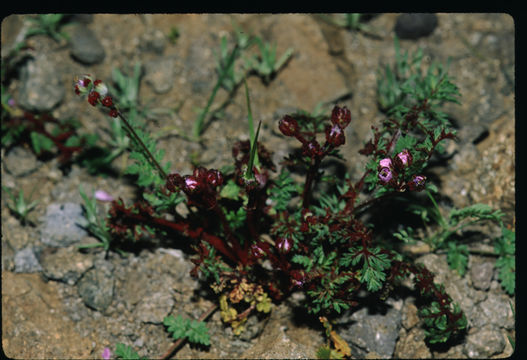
41 87
86 47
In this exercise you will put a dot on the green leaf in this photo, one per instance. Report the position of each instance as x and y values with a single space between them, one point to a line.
40 142
457 257
303 260
324 352
405 142
478 211
283 191
178 326
507 273
231 190
505 247
198 333
126 352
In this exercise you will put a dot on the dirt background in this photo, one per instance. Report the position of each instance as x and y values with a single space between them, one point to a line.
44 317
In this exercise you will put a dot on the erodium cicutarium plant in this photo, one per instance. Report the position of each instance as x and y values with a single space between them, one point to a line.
257 235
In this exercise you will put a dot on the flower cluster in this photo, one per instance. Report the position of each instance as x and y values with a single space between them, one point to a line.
389 170
97 92
200 187
340 119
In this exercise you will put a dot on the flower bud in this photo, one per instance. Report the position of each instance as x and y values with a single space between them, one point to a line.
214 177
341 116
284 244
82 85
174 182
312 149
93 98
417 183
107 101
113 113
191 183
335 135
100 87
298 278
200 173
257 251
288 126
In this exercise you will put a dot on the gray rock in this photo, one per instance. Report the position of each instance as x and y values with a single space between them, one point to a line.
85 47
62 225
481 273
96 288
414 26
64 264
153 41
20 161
41 89
436 264
495 310
155 306
159 73
26 261
484 343
373 332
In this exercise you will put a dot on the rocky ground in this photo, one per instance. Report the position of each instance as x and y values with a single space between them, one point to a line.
58 302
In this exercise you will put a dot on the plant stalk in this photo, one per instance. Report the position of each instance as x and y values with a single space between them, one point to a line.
136 138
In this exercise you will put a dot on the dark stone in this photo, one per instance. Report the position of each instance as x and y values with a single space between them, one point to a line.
96 288
376 332
414 26
85 47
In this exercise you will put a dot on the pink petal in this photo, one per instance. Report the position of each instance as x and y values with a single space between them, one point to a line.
102 195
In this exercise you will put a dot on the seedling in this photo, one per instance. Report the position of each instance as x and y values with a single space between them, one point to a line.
19 206
266 65
49 25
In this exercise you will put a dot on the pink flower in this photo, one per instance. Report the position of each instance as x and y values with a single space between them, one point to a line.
102 195
335 135
385 163
106 354
417 183
191 183
403 159
385 175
